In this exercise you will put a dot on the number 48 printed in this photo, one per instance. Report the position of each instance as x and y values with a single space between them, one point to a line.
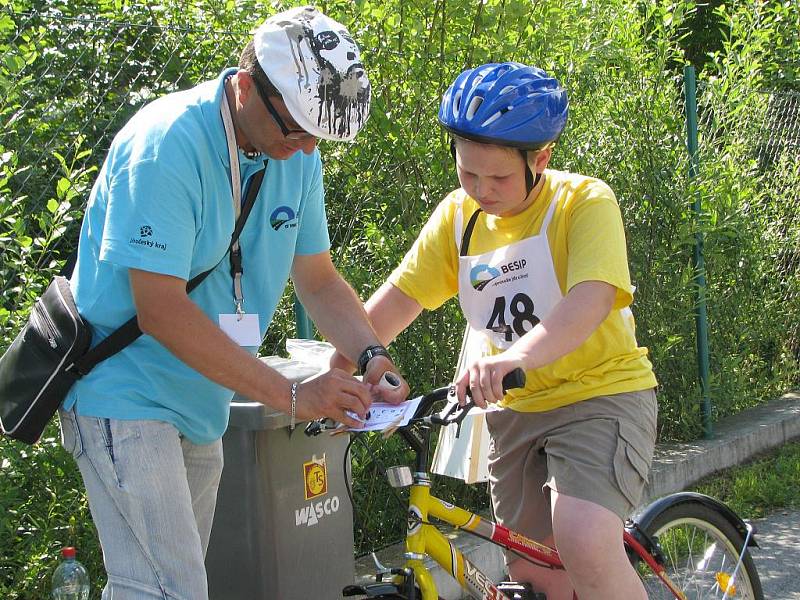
521 308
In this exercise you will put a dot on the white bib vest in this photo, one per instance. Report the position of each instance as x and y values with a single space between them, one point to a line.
504 293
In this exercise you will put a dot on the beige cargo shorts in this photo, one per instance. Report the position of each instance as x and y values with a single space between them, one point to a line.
599 450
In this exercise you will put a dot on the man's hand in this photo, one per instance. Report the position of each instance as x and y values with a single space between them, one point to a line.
331 394
340 361
375 370
484 377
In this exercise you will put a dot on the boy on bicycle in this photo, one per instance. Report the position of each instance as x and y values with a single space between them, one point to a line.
539 263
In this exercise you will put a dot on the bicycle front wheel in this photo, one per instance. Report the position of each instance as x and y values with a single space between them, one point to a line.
701 550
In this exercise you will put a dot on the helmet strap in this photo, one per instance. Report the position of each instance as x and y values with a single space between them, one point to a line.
530 180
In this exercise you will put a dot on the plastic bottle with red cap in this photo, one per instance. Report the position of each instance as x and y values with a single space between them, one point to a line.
70 579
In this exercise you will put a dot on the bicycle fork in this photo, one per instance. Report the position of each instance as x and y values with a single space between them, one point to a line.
423 538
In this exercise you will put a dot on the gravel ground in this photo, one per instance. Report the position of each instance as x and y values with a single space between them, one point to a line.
778 555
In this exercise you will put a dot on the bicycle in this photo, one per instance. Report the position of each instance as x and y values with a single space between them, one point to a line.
686 546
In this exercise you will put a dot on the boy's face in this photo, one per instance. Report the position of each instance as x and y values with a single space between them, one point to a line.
494 176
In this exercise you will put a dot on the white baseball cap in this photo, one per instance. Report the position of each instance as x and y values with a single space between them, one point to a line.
316 66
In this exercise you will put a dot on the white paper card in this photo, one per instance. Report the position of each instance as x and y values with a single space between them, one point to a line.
244 332
383 415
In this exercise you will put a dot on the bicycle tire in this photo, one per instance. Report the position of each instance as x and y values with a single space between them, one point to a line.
701 549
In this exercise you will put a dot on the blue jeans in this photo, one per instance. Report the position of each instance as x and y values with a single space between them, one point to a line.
152 495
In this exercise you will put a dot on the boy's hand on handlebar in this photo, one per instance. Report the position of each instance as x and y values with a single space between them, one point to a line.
393 389
484 378
331 394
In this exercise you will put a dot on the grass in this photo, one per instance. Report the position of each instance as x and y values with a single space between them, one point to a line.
42 509
760 487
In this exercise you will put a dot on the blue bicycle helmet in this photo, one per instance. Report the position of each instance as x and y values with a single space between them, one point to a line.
508 104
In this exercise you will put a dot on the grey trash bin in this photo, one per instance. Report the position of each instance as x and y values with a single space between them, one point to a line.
283 527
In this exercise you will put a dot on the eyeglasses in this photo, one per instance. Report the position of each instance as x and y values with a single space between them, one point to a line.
297 135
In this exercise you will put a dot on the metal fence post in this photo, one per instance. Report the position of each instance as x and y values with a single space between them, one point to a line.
701 317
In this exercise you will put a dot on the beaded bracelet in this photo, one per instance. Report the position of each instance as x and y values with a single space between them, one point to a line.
293 420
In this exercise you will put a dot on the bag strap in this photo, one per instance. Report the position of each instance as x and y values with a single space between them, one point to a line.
129 332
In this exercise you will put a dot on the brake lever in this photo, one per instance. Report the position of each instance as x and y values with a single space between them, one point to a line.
514 379
454 408
463 414
460 416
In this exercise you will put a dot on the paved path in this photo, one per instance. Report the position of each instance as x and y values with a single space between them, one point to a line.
778 555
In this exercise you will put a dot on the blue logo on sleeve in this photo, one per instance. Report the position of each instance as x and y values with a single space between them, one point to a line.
282 217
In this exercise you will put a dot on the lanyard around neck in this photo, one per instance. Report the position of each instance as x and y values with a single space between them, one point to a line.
236 188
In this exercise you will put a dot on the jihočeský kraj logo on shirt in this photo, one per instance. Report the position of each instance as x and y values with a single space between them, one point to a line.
282 218
482 274
145 232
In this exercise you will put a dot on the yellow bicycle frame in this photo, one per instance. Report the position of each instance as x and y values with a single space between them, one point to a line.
423 538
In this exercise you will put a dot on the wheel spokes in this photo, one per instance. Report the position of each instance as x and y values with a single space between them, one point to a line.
700 561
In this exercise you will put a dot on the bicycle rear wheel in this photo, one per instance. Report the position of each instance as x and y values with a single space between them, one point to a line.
701 549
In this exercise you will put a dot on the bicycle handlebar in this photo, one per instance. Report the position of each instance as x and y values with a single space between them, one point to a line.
454 414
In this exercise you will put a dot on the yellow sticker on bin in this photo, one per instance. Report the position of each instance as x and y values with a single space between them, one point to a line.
315 475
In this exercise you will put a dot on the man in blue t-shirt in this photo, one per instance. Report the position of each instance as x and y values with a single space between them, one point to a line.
145 424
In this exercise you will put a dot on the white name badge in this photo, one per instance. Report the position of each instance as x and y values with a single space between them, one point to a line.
244 331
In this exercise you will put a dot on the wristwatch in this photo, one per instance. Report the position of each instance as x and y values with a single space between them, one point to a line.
368 354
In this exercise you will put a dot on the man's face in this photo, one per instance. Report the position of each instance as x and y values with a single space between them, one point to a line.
261 129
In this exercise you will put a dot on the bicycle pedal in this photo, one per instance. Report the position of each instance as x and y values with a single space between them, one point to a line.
519 591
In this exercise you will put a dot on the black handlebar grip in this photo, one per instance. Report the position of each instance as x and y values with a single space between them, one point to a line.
514 379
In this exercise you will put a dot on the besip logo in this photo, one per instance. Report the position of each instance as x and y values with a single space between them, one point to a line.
481 275
282 217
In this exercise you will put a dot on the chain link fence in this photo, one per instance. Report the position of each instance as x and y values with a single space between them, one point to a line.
778 156
748 178
69 82
779 159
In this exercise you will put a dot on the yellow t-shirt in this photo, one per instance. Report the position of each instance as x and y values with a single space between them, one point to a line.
587 242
